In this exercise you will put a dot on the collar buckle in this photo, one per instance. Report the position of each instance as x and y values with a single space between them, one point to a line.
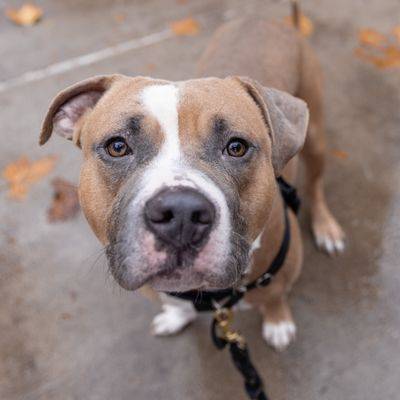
263 279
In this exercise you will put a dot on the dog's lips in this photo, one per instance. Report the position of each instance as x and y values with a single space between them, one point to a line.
177 280
131 284
165 268
180 273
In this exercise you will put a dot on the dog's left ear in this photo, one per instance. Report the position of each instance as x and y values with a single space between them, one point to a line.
286 117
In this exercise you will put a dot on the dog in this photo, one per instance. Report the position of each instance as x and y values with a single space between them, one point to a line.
178 180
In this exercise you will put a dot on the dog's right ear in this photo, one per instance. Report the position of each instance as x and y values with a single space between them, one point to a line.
71 104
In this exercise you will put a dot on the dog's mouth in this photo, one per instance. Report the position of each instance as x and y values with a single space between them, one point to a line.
174 271
141 259
182 281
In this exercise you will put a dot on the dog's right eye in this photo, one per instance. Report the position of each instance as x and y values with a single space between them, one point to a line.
117 147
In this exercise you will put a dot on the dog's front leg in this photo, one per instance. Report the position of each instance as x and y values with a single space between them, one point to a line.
175 316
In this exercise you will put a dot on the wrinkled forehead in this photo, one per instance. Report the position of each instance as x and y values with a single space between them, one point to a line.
205 103
190 109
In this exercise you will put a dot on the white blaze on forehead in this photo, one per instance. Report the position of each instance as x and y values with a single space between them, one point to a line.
161 101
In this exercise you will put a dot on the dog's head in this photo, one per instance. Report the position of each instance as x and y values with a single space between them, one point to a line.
178 179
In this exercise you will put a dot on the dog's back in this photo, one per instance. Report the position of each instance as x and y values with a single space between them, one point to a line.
267 51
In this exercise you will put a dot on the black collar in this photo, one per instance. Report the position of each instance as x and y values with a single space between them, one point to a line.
211 300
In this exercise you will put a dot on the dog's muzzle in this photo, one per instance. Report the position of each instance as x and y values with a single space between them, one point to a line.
176 237
180 217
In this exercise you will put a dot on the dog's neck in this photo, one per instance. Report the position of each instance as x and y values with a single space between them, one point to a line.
270 241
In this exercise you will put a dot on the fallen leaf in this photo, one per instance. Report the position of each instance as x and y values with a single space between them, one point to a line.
396 33
388 58
371 37
306 27
392 54
21 174
65 203
120 18
150 67
11 240
185 27
65 316
378 49
28 14
343 155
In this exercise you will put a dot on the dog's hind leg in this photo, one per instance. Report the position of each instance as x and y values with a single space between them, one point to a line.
328 234
175 316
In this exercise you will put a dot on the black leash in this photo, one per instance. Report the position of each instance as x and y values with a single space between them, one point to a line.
222 301
222 335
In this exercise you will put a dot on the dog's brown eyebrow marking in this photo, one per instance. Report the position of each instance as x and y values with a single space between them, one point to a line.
132 127
220 125
134 124
214 143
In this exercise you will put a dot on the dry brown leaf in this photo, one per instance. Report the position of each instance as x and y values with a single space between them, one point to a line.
28 14
65 203
342 155
392 57
371 37
396 33
66 316
120 18
306 27
185 27
389 58
378 49
150 67
21 174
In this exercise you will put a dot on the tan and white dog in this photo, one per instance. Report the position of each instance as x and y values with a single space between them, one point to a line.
179 178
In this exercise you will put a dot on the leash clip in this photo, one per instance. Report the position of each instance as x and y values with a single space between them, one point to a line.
224 318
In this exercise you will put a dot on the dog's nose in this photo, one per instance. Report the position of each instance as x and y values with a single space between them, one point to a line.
180 216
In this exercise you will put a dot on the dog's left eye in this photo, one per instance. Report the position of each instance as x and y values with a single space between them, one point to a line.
237 147
117 147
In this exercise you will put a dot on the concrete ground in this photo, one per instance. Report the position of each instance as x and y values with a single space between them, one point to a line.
66 330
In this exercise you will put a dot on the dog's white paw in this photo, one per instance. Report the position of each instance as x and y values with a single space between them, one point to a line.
279 335
329 245
328 234
173 319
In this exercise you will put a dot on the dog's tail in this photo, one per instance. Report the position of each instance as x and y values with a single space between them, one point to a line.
295 14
